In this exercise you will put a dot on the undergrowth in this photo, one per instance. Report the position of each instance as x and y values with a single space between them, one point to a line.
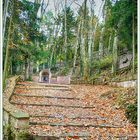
131 113
127 100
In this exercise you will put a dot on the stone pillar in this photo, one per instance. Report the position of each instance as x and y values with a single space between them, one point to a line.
40 76
50 77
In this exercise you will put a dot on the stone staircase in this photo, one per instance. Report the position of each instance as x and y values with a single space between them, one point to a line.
57 113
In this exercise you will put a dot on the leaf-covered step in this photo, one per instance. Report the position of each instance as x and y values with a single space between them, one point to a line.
44 96
58 131
92 133
52 105
47 101
94 122
72 117
76 125
65 113
55 111
43 88
40 84
49 92
126 137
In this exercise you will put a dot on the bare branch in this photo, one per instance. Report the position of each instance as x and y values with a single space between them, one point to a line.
43 11
77 3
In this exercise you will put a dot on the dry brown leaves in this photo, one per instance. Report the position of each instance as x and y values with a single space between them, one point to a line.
104 111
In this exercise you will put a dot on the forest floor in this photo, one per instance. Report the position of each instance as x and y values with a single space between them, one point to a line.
85 112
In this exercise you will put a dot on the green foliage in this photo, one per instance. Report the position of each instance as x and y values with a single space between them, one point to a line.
24 135
103 63
131 112
97 38
43 40
64 71
71 23
70 27
8 132
29 79
119 17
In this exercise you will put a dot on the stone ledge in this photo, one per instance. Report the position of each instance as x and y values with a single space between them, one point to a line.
18 114
55 105
12 115
125 84
46 96
77 125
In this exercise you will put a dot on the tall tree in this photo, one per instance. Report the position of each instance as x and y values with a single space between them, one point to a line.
8 43
65 31
5 11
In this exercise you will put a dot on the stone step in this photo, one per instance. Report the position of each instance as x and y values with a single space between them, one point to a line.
43 88
41 84
58 112
133 137
89 133
58 138
72 118
49 92
94 122
51 105
44 96
126 137
54 111
64 94
71 113
75 125
59 131
48 101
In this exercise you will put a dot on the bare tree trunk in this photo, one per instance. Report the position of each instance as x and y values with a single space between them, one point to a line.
83 45
11 66
5 17
7 51
37 68
26 68
82 49
115 53
133 43
76 46
56 31
91 43
30 69
109 43
65 37
51 57
43 66
101 49
20 68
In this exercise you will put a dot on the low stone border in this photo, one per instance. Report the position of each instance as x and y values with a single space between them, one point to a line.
14 118
125 84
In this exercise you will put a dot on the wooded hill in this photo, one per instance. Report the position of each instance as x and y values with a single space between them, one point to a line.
81 43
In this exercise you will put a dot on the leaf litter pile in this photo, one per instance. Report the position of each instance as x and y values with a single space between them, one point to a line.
83 112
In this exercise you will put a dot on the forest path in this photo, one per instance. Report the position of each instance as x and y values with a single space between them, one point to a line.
83 112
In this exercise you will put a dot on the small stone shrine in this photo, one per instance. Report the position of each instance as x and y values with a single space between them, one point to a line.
45 76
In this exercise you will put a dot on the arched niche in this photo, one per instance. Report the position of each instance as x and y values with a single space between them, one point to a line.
45 76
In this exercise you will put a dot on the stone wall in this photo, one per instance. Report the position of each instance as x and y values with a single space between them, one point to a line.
14 120
63 79
57 80
125 84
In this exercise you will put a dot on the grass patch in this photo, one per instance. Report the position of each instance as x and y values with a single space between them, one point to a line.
131 113
127 100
